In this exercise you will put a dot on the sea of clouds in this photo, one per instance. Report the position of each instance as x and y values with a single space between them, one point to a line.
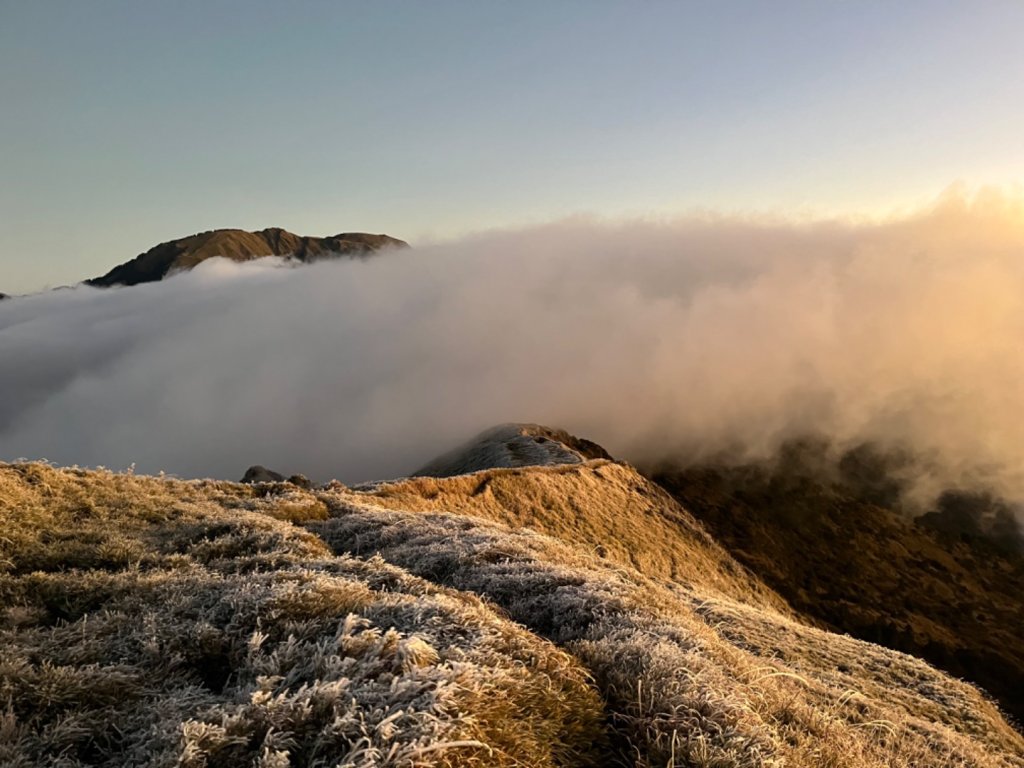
657 338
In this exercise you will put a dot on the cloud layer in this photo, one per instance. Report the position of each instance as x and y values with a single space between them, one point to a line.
655 338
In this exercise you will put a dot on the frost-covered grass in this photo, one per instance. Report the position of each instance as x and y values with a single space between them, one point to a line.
155 622
602 507
161 623
509 445
692 676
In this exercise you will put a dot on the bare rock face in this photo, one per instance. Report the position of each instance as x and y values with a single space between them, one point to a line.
4 296
514 445
239 245
260 474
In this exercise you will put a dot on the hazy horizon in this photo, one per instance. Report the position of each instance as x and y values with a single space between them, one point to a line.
756 219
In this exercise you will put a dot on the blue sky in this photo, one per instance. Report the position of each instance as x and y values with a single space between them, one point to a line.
128 123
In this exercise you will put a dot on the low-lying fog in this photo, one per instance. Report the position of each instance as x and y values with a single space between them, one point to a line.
662 338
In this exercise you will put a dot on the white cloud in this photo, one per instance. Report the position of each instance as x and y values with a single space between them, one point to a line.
652 338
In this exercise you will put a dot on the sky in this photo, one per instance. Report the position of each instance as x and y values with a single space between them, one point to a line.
125 124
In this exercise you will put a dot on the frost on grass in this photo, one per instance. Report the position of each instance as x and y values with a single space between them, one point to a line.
162 623
545 616
694 671
514 445
600 507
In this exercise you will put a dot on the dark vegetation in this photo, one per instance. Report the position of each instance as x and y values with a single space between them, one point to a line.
838 542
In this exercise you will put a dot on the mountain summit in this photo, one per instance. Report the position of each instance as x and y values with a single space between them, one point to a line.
239 245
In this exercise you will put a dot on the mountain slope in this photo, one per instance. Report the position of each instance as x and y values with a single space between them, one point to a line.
840 555
157 622
152 622
598 506
239 245
691 677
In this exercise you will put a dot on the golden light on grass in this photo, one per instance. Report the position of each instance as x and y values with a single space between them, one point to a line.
183 623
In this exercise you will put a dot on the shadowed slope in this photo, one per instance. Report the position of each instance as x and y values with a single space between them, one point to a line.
238 245
848 559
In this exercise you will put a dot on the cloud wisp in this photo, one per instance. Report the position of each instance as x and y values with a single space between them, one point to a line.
679 338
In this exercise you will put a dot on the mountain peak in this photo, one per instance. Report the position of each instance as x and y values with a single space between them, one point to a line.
239 245
514 445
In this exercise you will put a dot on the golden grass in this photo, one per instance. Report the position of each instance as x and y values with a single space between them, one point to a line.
696 669
157 622
601 507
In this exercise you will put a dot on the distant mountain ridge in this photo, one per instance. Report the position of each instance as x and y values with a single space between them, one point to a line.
514 445
238 245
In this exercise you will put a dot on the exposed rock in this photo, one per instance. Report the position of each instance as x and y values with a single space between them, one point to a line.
514 445
301 481
4 296
259 474
239 245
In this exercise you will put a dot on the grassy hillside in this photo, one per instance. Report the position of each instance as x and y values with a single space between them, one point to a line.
851 561
148 621
161 623
601 507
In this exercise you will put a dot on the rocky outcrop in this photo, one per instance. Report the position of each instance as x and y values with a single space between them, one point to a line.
301 481
514 445
238 245
260 474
